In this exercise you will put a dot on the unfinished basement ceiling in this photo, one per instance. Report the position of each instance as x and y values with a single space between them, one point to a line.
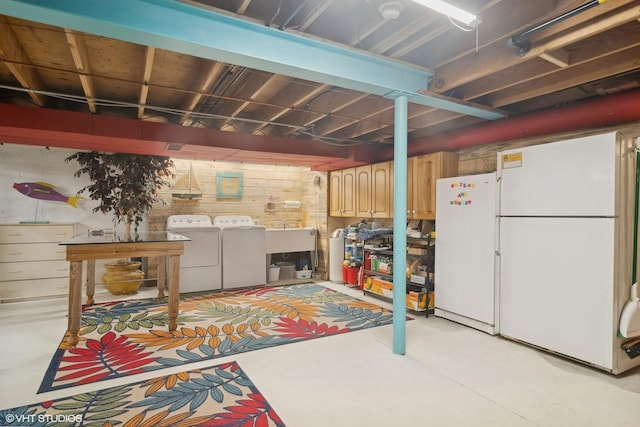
591 54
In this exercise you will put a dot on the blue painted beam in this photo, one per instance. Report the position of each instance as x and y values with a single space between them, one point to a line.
201 32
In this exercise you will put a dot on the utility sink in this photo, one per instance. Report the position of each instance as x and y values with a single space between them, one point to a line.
282 240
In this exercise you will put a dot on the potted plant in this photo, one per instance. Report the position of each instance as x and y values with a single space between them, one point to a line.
125 184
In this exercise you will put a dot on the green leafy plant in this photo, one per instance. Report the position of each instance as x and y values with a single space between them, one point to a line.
125 184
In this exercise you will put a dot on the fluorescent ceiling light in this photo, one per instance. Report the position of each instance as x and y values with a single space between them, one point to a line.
451 11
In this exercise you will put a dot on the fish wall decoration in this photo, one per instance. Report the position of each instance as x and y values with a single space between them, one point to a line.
45 191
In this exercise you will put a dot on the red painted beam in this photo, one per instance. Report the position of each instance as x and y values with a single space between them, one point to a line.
617 109
82 131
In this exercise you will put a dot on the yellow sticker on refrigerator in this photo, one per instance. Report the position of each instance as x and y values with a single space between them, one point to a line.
513 160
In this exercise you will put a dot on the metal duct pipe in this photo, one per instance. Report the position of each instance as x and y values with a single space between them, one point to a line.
603 111
520 43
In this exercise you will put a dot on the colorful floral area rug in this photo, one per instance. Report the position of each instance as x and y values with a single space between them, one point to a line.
131 337
221 395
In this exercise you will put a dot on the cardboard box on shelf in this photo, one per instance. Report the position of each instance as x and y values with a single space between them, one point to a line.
416 251
416 300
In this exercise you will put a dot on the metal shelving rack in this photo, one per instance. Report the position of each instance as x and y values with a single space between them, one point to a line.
421 253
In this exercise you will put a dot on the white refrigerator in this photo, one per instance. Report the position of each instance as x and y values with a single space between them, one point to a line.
562 244
465 292
564 250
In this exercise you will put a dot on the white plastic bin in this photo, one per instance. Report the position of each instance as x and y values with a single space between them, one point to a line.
336 256
303 274
274 273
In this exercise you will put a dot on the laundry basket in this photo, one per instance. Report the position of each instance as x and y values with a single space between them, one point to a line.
287 270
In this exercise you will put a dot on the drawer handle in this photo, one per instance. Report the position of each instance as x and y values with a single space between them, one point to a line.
15 235
15 253
61 269
15 272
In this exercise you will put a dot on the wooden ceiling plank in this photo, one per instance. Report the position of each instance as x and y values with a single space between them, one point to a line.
149 56
558 57
289 95
340 122
415 26
330 122
242 7
313 92
237 93
369 31
617 40
362 108
257 94
399 53
18 62
499 57
80 55
621 62
315 14
367 130
603 9
300 100
417 117
204 82
505 17
599 27
327 107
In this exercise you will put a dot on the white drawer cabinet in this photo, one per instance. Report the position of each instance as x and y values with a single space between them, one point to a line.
31 252
32 263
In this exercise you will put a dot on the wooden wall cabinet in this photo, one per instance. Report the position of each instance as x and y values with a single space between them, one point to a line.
373 190
342 193
367 191
422 173
32 263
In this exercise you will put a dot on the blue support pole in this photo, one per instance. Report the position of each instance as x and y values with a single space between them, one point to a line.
400 224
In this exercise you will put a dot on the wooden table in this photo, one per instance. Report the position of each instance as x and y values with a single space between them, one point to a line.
165 245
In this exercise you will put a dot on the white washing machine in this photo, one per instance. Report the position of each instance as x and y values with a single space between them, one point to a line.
244 249
201 264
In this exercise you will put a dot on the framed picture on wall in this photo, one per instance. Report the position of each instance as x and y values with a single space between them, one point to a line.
229 185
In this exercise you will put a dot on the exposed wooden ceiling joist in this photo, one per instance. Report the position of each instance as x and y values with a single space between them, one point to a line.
588 55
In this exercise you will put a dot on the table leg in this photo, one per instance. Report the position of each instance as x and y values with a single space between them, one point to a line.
162 275
75 301
174 291
91 281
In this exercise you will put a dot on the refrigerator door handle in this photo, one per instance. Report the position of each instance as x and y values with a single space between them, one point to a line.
496 290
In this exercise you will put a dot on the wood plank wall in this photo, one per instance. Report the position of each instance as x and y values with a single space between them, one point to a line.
261 184
483 158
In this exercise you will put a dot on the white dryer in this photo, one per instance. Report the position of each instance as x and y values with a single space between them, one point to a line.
201 264
244 249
